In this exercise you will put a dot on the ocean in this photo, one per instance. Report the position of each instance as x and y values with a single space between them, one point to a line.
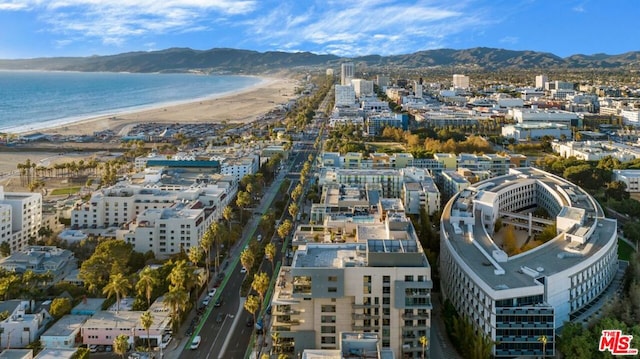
33 100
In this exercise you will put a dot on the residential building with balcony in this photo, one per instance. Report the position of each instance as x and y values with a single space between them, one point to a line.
380 284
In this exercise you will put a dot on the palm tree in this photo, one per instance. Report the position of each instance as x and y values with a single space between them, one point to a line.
543 339
251 305
243 199
183 277
260 284
227 213
216 231
247 259
176 301
205 243
424 341
293 209
146 321
119 286
121 345
147 281
270 253
284 228
195 255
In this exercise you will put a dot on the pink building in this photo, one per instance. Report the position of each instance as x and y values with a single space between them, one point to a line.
104 326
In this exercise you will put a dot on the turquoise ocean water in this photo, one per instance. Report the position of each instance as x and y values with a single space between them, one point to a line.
31 100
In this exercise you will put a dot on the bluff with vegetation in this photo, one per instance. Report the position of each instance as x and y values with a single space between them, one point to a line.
246 61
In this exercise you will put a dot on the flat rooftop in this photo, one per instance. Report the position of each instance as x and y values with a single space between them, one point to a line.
330 256
476 246
66 325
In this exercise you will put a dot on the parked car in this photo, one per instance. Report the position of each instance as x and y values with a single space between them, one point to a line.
212 292
243 270
219 301
196 342
206 301
93 348
250 322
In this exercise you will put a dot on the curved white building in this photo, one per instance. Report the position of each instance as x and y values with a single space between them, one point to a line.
516 299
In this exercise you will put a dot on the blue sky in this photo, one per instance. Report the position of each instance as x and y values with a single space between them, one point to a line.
45 28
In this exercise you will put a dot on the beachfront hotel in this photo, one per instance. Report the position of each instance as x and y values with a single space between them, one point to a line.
380 283
20 218
517 298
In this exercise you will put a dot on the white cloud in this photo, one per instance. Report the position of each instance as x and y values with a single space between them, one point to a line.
579 8
115 22
367 26
13 5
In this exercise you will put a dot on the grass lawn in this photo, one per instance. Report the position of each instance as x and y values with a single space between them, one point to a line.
68 190
624 250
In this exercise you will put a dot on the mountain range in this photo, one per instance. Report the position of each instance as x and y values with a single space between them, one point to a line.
247 61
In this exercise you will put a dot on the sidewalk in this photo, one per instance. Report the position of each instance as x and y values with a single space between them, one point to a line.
180 340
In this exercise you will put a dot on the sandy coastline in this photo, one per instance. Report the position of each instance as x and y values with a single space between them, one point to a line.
235 107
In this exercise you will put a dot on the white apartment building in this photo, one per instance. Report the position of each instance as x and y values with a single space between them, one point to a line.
119 204
345 95
452 183
362 87
536 130
240 166
516 298
389 179
417 89
630 117
595 150
20 329
381 284
460 81
529 115
347 72
166 231
497 164
540 81
631 179
419 191
20 217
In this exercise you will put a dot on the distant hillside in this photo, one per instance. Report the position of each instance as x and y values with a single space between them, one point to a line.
243 61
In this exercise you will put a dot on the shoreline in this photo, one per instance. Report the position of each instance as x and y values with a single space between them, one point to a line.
181 111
